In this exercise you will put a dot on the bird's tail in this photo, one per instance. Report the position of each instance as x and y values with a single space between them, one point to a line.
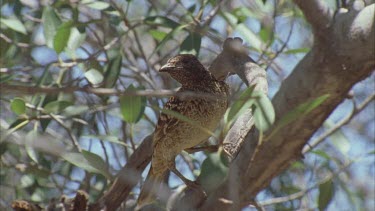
150 189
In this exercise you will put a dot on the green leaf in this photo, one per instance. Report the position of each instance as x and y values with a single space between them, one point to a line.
27 181
191 44
321 153
18 106
168 37
16 125
326 192
244 99
62 36
265 34
75 110
97 162
94 76
29 140
76 39
80 160
98 5
14 24
213 172
248 35
5 77
297 50
56 106
158 35
264 113
113 139
50 24
132 107
338 138
47 99
161 21
298 112
112 71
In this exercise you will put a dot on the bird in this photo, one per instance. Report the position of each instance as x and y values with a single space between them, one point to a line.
204 110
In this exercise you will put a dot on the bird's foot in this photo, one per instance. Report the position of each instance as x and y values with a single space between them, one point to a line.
190 184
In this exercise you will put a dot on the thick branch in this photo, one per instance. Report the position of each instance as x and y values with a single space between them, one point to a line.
127 178
317 13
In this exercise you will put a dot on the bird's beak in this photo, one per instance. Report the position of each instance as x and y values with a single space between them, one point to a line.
166 67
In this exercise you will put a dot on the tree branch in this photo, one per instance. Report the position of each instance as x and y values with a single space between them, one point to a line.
317 13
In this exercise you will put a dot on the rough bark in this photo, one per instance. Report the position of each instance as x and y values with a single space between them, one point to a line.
341 57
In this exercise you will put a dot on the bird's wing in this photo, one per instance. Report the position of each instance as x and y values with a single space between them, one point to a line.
167 123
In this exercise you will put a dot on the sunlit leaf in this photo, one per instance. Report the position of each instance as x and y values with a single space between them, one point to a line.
297 50
18 106
29 140
62 36
245 98
14 24
98 5
158 35
132 107
16 125
338 138
75 110
76 39
94 76
321 153
264 113
326 192
168 37
56 106
191 44
27 181
162 21
50 22
113 139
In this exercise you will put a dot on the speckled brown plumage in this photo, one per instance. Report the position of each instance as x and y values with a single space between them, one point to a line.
172 135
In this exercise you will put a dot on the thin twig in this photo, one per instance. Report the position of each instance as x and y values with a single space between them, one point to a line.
336 127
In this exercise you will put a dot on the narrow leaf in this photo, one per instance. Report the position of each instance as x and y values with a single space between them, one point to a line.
244 98
132 107
56 106
326 192
297 50
264 113
298 112
338 138
161 21
113 71
29 140
98 5
14 24
50 24
62 36
97 162
192 44
80 161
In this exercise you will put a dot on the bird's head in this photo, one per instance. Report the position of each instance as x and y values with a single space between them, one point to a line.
185 68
